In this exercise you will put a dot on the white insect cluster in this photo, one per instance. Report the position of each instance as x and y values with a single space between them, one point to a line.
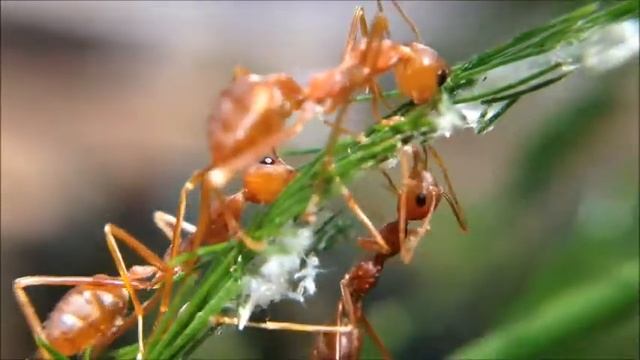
281 273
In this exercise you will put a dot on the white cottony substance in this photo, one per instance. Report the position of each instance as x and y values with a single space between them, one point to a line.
599 50
612 46
448 118
272 276
307 285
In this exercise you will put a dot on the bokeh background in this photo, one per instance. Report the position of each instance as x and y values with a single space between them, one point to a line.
103 118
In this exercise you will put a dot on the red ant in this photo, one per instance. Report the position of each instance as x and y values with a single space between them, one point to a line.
94 311
417 200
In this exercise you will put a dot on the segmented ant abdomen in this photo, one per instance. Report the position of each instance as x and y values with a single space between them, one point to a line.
85 315
363 277
263 182
252 108
421 73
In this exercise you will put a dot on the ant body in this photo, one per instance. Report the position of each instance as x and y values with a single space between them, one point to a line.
418 198
94 311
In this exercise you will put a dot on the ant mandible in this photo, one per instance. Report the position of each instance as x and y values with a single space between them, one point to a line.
93 312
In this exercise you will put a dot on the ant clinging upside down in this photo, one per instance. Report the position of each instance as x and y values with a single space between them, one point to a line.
418 198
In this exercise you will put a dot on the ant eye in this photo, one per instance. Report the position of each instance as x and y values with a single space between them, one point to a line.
267 161
421 199
443 74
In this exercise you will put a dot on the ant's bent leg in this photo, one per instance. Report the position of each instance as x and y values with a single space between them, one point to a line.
194 180
276 325
449 195
364 219
376 339
111 232
167 224
405 153
328 164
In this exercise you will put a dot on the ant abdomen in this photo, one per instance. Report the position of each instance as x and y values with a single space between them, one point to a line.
253 107
85 315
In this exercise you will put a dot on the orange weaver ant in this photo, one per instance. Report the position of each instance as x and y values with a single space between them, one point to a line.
418 198
94 311
418 69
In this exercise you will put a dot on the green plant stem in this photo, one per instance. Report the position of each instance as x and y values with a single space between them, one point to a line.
561 318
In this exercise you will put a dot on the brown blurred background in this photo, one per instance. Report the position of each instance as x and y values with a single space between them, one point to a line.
103 118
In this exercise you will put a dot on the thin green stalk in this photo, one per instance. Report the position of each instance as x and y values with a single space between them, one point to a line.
561 318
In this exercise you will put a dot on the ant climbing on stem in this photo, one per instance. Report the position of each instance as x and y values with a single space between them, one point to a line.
419 72
418 198
94 312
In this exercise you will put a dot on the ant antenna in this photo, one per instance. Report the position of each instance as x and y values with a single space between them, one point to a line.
450 194
392 186
405 17
426 156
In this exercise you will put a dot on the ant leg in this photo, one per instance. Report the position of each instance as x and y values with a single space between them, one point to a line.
29 311
167 223
277 325
405 153
409 247
380 243
126 325
196 178
346 304
328 165
390 183
450 194
376 339
371 53
357 20
111 230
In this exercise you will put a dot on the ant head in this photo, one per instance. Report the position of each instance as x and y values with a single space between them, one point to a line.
422 73
264 181
422 191
422 188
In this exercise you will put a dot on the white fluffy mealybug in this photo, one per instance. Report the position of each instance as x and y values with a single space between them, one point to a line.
281 273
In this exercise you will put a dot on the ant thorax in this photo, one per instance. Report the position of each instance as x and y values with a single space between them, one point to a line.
282 273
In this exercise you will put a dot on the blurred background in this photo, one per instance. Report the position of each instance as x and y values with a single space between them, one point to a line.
103 118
